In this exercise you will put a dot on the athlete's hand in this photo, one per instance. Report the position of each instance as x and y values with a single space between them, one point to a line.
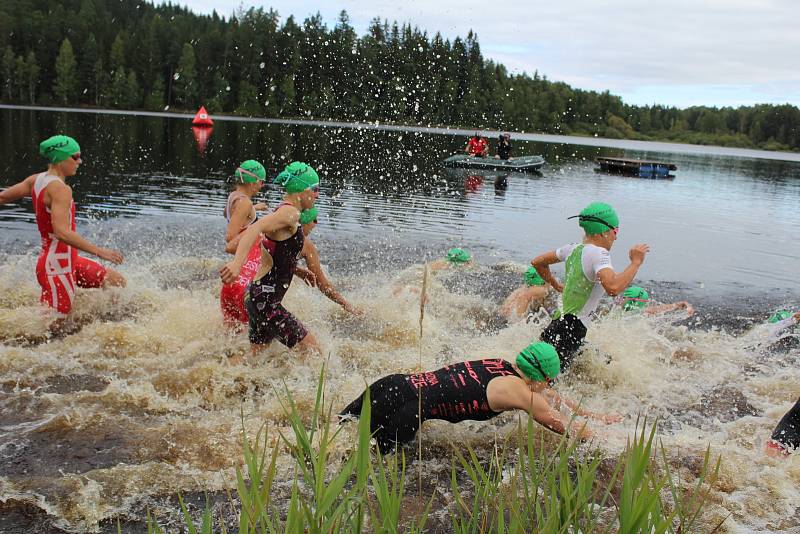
638 253
229 272
688 307
261 206
109 254
306 275
609 418
358 312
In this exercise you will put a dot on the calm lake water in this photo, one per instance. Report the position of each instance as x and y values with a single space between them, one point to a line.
140 404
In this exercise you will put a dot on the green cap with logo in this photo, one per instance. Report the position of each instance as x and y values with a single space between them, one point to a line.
458 255
297 177
779 316
539 361
250 172
532 277
596 218
58 148
635 298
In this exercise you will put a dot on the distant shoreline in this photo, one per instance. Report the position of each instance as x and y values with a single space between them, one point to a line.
623 144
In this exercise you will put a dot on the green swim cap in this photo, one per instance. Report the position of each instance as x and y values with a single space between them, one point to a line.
458 255
58 148
597 217
635 298
297 177
309 215
250 172
779 315
539 361
532 277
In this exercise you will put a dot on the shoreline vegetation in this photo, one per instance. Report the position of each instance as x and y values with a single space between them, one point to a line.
527 482
135 55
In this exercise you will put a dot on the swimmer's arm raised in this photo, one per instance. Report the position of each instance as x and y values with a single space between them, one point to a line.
616 283
542 265
60 207
17 191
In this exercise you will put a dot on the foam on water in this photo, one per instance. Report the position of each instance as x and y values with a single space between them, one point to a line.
139 402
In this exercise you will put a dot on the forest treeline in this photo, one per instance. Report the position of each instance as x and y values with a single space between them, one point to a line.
131 54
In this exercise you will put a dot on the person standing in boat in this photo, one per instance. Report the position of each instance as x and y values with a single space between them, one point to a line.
240 212
281 239
588 276
60 270
504 147
478 146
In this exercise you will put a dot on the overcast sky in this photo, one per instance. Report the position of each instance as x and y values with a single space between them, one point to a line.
682 52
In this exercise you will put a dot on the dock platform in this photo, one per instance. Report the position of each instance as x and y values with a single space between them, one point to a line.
637 167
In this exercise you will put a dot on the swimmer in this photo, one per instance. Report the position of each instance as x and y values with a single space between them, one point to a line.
781 324
456 257
589 275
240 212
310 253
475 390
786 436
635 298
281 241
532 296
60 269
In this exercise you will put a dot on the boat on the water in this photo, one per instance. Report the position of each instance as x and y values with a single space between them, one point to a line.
637 167
521 163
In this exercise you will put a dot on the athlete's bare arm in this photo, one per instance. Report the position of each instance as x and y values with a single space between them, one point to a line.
59 195
311 255
555 400
238 222
17 191
542 265
512 392
283 219
615 283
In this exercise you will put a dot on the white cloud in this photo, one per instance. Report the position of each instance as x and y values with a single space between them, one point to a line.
625 46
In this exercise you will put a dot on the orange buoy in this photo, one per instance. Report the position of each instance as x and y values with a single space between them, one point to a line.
201 136
201 118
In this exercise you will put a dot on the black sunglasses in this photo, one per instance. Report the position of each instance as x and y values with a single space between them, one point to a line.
592 218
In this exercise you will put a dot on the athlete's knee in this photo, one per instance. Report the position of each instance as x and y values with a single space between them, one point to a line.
310 344
114 279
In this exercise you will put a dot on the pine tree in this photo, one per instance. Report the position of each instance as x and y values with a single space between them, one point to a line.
118 95
133 94
154 101
185 79
90 54
32 70
8 65
20 78
248 100
66 74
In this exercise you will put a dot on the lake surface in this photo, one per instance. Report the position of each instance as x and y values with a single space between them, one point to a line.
139 404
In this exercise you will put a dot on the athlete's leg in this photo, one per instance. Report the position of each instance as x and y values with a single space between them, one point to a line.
310 345
786 436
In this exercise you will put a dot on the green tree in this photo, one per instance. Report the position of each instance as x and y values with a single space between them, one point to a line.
185 87
133 93
90 54
8 65
118 96
154 100
66 74
117 56
248 100
32 70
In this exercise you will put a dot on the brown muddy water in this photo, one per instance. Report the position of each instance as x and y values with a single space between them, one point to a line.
139 404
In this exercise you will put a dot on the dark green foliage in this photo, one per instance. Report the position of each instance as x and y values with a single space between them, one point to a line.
251 63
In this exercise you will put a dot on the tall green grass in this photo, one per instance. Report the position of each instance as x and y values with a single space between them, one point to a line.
524 485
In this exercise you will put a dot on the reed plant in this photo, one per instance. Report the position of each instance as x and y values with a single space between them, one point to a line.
524 484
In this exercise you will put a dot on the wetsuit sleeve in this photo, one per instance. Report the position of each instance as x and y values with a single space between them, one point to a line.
563 253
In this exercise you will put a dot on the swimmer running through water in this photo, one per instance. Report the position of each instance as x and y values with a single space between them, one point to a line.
60 269
588 276
532 295
475 390
241 213
635 298
281 244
